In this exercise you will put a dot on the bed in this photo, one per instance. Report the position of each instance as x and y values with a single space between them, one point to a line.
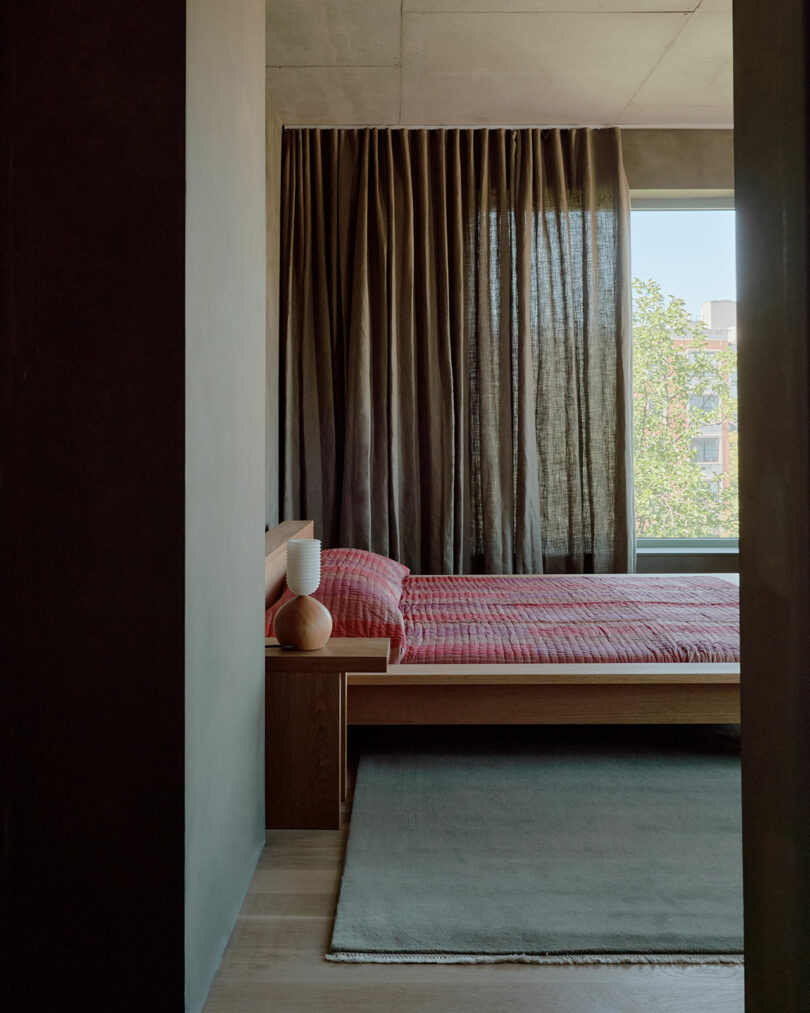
617 649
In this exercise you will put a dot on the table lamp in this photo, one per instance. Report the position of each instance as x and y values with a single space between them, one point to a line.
303 624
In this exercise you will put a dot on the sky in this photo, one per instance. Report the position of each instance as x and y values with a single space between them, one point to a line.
690 254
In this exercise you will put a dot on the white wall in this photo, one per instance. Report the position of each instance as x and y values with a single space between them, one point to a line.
225 472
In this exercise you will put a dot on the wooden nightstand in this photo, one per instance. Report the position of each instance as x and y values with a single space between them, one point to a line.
305 729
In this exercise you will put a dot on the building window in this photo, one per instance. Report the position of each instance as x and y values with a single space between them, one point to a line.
704 402
684 372
707 450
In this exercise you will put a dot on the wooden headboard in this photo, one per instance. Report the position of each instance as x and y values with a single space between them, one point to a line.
275 554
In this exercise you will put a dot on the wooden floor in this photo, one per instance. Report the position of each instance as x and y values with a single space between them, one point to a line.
274 960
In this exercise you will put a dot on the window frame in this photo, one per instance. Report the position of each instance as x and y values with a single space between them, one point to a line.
684 200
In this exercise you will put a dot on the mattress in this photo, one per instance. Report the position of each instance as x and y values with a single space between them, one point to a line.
584 619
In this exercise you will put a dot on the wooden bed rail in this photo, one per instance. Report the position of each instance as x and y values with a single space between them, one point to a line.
546 694
548 675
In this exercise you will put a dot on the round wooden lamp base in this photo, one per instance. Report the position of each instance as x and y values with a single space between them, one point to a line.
303 624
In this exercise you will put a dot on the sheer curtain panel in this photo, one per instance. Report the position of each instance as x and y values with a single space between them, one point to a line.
455 336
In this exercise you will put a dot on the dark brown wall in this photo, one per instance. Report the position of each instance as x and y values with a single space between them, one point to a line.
92 502
771 158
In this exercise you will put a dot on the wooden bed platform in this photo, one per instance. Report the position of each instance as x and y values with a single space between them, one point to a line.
527 694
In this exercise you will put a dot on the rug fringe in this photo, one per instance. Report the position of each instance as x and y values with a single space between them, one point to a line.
536 958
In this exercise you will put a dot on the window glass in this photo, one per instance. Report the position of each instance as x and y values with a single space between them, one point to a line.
707 451
684 373
704 402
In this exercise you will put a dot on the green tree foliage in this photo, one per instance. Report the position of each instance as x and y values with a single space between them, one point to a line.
679 387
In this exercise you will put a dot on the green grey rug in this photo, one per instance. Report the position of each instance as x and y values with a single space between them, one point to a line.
544 845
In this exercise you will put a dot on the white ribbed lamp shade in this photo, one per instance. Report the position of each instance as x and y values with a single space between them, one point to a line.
303 565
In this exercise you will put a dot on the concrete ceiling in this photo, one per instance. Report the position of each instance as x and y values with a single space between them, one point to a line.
648 63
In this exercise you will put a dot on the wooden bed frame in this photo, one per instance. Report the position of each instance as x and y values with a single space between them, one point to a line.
527 694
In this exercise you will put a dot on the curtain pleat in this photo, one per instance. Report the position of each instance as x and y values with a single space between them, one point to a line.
455 332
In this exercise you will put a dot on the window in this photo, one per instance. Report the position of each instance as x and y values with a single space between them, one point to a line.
684 371
707 451
704 402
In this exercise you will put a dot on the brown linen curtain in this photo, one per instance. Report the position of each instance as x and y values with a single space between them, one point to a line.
455 342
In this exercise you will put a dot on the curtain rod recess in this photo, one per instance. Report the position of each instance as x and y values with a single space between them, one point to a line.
452 126
493 126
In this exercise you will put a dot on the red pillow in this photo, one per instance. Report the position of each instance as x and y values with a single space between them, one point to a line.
362 591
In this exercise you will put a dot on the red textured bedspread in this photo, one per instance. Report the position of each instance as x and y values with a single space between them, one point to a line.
612 618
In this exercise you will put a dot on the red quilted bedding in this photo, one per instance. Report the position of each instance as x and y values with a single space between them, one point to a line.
612 618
